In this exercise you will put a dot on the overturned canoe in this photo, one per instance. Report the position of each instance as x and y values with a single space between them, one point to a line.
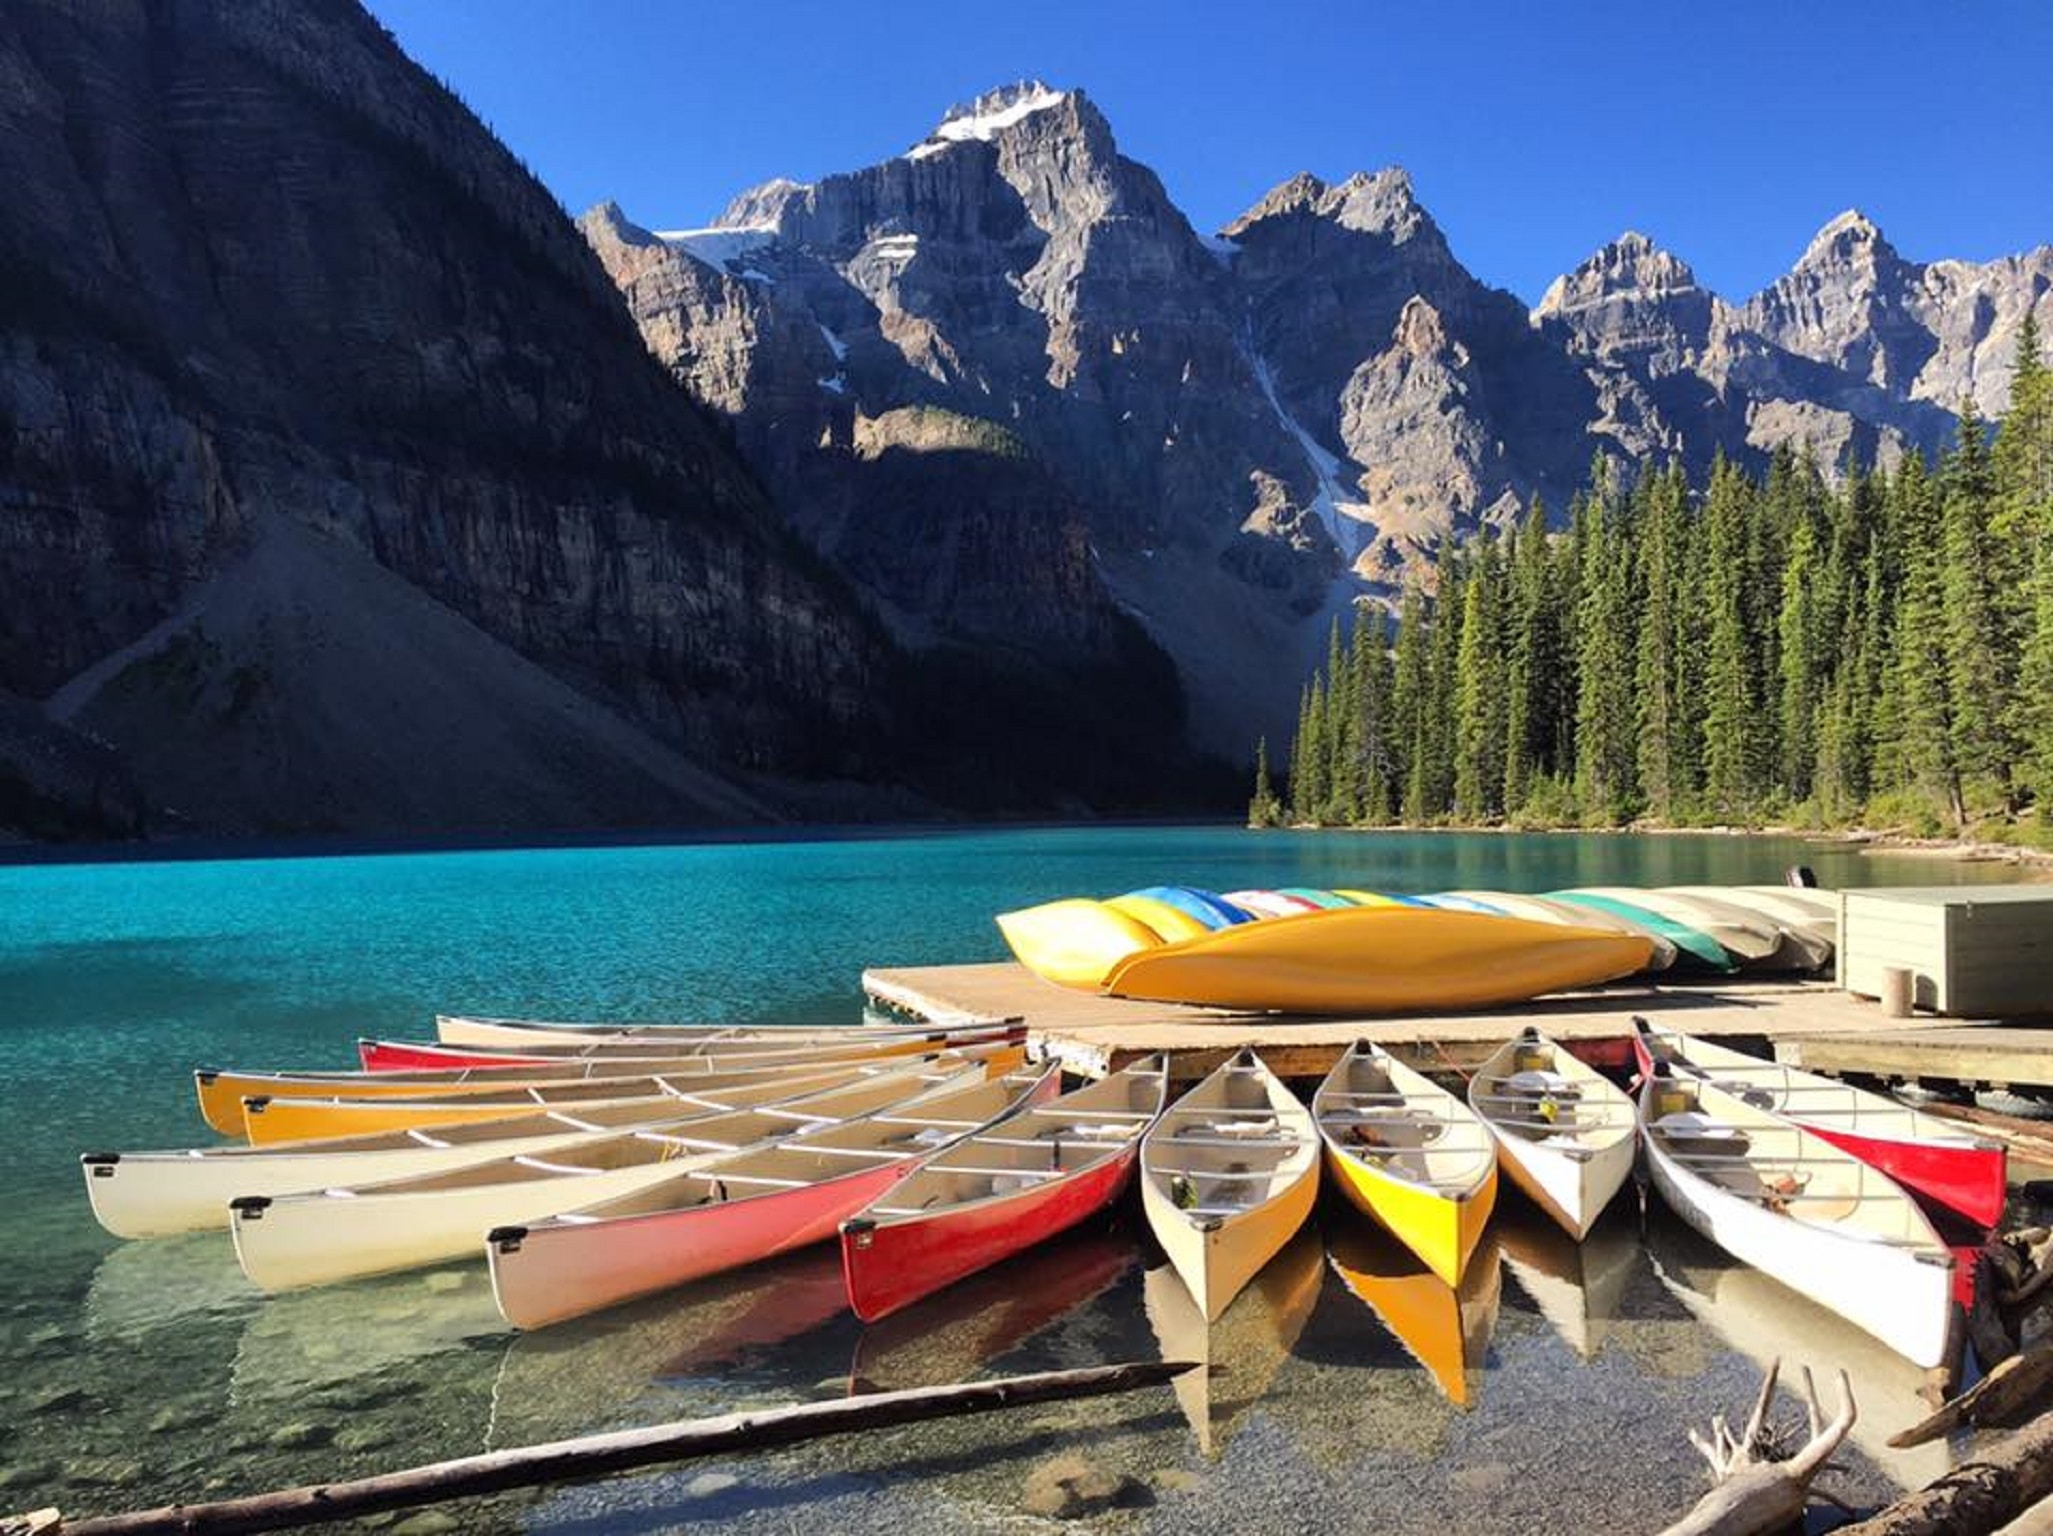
1408 1154
738 1209
1935 1158
1074 942
1377 960
1228 1175
344 1232
1698 946
385 1056
1548 909
1009 1186
1794 1206
1564 1131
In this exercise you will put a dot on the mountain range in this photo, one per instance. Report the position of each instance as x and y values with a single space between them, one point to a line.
1254 428
340 491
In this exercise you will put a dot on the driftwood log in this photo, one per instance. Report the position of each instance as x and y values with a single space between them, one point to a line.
597 1455
2007 1395
1755 1491
1985 1492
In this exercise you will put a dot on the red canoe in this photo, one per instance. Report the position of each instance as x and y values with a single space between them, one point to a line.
425 1056
764 1201
1931 1157
1017 1183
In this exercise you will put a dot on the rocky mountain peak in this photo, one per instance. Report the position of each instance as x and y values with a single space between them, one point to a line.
762 206
1847 239
1379 202
1631 265
984 118
1420 330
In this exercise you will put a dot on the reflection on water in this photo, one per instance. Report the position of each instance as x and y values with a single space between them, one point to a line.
1445 1329
141 1287
1579 1288
1765 1320
1240 1354
302 1341
969 1329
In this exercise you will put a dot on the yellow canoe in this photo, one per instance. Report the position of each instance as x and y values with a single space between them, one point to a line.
1169 924
268 1122
1408 1154
1376 960
1074 943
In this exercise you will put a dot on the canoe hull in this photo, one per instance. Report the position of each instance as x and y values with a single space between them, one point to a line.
892 1264
548 1273
1442 1231
1377 960
346 1235
1891 1293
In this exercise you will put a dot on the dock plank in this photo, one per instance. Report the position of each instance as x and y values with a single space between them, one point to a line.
1093 1034
2002 1056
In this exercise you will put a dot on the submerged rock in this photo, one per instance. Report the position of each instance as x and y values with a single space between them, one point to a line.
1071 1485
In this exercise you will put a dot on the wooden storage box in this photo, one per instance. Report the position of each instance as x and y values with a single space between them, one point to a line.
1973 951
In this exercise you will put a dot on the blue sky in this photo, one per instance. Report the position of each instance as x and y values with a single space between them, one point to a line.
1728 130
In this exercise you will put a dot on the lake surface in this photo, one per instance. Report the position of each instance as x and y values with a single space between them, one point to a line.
132 1374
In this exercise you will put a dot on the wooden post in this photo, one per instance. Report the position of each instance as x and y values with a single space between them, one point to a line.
1897 991
597 1455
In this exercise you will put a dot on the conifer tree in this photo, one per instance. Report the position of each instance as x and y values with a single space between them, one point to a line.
1920 745
1410 701
1661 757
1529 715
1604 719
1731 698
1981 667
1262 809
2022 468
1369 661
1800 629
1343 736
1480 701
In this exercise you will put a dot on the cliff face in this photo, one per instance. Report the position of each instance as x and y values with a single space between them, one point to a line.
1254 430
259 274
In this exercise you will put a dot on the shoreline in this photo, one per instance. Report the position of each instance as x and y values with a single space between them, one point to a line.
1864 840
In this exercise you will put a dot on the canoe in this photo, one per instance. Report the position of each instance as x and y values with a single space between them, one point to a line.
1549 909
1935 1158
1202 905
1315 895
1271 903
1446 1329
1754 941
1362 898
1810 898
1033 1174
271 1122
1564 1132
1689 940
153 1194
1794 1206
1362 960
1168 922
1408 1154
1228 1175
738 1209
519 1034
221 1092
1453 902
1240 1354
1073 943
1777 905
384 1056
347 1231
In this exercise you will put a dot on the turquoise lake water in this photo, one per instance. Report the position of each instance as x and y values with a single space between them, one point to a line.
135 1373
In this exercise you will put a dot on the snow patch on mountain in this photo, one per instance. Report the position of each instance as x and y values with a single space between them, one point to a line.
718 246
989 115
1345 515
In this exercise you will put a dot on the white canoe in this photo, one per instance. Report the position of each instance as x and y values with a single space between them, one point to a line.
738 1209
1796 1207
1749 938
1564 1132
1815 920
154 1194
342 1233
1228 1175
1545 909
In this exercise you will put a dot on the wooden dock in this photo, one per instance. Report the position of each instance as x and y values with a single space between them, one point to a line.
1093 1035
1984 1056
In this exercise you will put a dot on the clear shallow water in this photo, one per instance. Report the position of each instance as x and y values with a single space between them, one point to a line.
130 1374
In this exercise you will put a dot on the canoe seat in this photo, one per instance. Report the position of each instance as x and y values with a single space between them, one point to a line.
1188 1139
1227 1131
